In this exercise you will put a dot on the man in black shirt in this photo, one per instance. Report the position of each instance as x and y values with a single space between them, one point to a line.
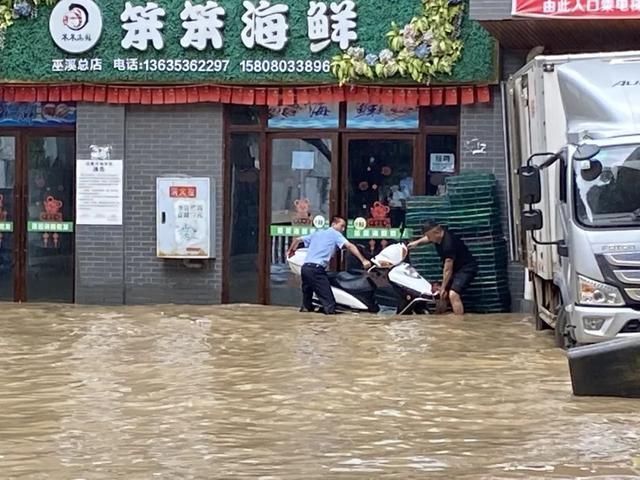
459 268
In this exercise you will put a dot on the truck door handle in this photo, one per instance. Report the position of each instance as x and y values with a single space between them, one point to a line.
164 218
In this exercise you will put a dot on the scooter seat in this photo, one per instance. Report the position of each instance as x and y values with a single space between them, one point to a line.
351 282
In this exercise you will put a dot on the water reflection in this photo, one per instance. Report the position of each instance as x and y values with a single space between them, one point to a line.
257 392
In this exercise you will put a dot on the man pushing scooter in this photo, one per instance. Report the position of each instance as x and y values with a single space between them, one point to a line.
459 266
322 244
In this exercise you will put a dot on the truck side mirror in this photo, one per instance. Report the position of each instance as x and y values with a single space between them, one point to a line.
529 179
531 220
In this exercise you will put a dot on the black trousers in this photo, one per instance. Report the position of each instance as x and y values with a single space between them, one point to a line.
315 280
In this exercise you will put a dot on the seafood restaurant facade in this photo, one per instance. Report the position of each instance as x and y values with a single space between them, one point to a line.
168 151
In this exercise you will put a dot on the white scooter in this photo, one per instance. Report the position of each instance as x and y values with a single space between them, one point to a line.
357 293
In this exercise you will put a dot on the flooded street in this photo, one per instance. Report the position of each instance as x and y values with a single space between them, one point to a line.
259 392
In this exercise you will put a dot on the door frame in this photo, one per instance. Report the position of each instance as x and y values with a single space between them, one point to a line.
264 247
21 198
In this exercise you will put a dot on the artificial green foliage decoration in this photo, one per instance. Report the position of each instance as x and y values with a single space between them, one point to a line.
12 10
427 47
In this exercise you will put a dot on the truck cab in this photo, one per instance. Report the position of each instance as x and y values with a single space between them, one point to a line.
573 130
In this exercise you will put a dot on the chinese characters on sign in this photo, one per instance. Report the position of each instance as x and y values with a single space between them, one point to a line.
182 192
76 26
142 25
577 8
315 115
184 227
342 24
202 24
442 162
265 25
76 65
99 192
371 115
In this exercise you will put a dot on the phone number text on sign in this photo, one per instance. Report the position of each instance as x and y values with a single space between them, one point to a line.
285 66
170 65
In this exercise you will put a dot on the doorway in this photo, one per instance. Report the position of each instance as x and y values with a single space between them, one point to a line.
37 215
287 169
301 175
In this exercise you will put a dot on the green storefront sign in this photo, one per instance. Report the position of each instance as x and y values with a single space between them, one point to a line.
352 233
379 234
231 41
50 227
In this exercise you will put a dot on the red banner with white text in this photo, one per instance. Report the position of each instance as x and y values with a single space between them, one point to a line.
577 9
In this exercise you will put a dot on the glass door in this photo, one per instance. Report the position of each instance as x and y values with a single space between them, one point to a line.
50 218
300 179
379 180
8 149
243 263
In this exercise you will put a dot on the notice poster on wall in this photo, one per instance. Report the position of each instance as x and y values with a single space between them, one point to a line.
442 162
99 192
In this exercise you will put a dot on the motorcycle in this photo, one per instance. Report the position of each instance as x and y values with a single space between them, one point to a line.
357 292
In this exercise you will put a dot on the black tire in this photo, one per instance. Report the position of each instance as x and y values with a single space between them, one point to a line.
563 336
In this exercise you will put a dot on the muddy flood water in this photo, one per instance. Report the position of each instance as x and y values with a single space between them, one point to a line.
266 393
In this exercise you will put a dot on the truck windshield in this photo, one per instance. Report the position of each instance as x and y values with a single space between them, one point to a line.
607 193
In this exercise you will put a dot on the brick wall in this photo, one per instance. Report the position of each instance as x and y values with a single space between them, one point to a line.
482 148
178 140
118 265
100 249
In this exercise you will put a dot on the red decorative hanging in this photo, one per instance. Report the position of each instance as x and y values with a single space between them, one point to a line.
247 95
466 95
483 95
451 96
436 96
424 97
273 97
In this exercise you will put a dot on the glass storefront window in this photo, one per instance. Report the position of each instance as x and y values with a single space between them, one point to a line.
245 218
380 174
300 191
49 271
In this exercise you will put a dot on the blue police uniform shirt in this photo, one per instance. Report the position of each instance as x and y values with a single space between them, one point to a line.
322 244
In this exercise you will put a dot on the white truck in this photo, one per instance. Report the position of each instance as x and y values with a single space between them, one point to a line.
573 141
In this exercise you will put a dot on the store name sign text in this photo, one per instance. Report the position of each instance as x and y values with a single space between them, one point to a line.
283 42
76 25
265 25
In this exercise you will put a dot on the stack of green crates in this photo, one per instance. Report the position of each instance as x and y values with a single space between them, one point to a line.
469 209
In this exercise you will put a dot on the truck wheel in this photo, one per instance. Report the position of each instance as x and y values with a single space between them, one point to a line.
563 337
